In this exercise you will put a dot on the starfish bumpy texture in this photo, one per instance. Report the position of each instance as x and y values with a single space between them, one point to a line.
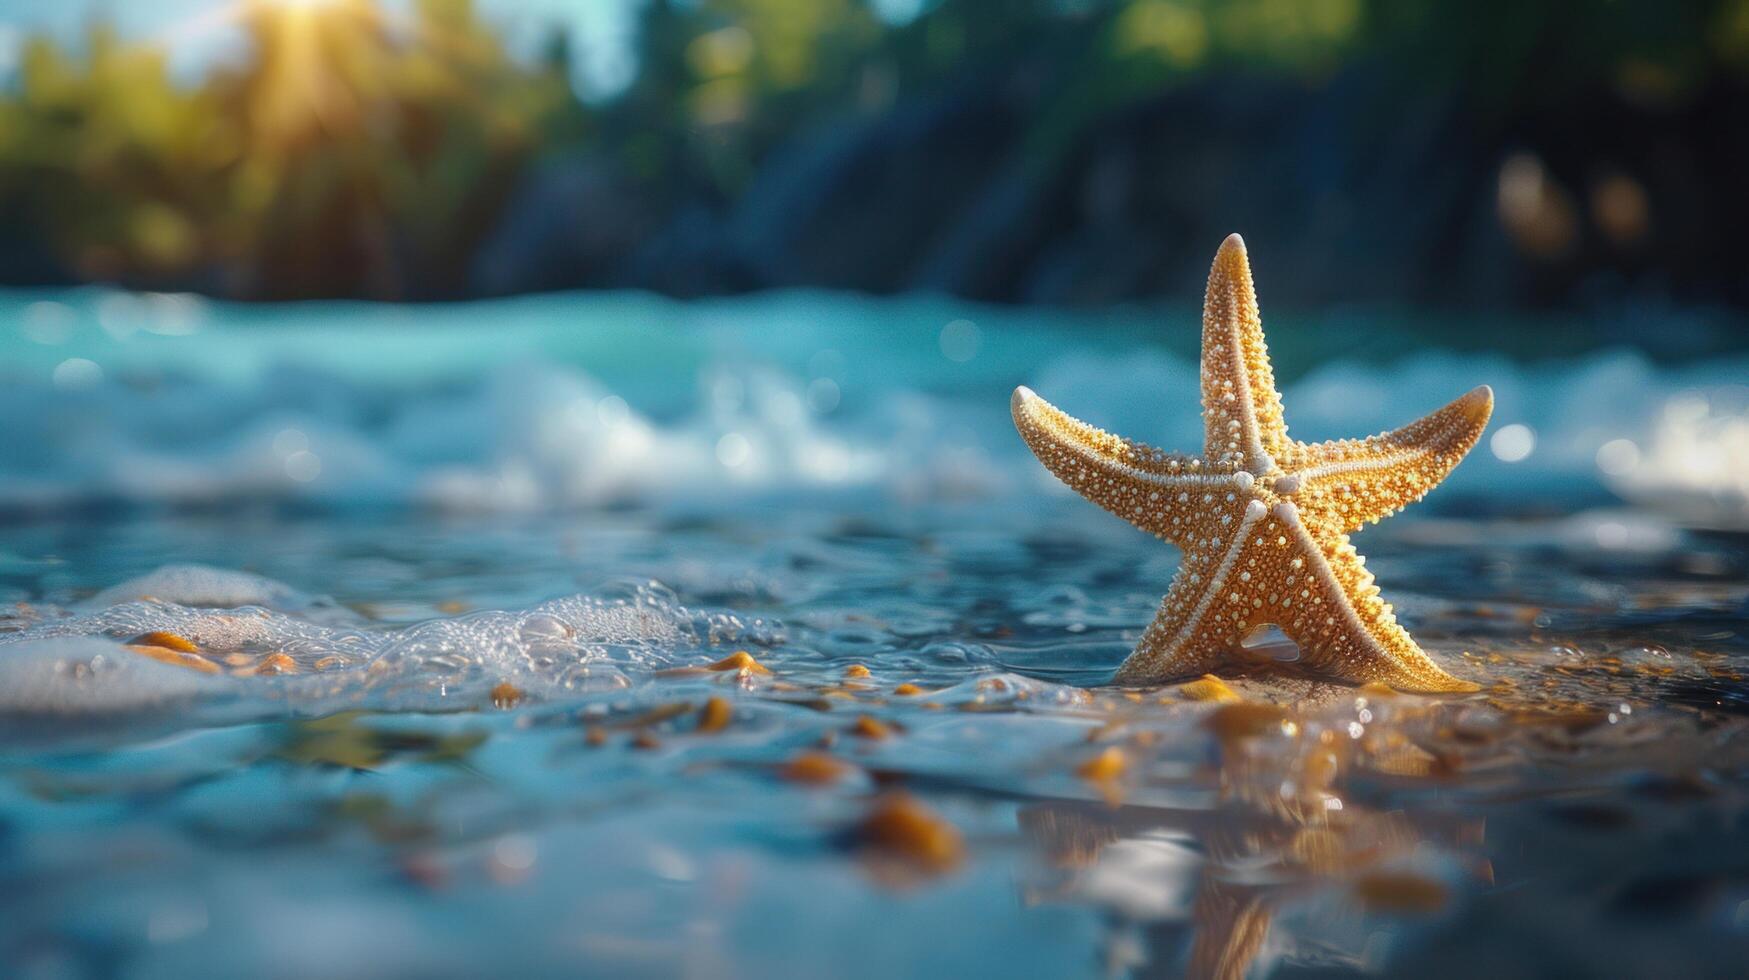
1263 520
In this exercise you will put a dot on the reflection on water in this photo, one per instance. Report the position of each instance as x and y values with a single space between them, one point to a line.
1278 835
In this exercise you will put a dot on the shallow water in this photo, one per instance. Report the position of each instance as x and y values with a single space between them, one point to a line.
444 708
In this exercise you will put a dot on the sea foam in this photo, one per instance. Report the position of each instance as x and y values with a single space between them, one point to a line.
82 665
589 401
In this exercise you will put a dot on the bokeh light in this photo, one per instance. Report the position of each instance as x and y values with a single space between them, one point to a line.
1512 443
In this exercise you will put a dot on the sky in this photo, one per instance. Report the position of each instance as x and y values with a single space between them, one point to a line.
198 32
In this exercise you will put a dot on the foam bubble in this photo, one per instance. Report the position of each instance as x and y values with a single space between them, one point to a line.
203 585
1694 466
65 678
579 643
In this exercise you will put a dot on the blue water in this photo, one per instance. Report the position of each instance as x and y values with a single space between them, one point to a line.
446 574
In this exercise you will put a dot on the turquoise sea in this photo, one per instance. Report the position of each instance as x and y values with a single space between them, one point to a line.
362 640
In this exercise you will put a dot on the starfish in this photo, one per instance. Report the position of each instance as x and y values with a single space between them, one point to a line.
1263 520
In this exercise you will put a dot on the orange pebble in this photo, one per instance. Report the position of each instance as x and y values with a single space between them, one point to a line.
1208 687
715 715
740 660
816 768
277 663
856 670
176 658
1104 767
871 728
165 639
900 826
506 695
907 690
1246 719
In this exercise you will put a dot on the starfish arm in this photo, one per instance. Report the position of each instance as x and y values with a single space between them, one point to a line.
1345 628
1195 627
1242 419
1272 571
1355 482
1157 491
1177 643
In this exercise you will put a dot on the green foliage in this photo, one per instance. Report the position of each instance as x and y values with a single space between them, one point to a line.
346 156
353 154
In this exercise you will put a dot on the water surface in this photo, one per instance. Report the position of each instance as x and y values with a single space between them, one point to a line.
336 645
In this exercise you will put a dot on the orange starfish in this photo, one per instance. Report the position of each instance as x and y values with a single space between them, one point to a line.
1263 520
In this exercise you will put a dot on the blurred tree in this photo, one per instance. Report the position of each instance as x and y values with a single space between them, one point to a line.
348 156
370 150
110 158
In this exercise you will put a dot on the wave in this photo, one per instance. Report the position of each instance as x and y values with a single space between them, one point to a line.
696 404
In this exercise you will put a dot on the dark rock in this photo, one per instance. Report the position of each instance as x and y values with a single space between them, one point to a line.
573 223
691 257
1356 189
858 204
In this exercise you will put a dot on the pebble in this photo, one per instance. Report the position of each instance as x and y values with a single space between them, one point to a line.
899 826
